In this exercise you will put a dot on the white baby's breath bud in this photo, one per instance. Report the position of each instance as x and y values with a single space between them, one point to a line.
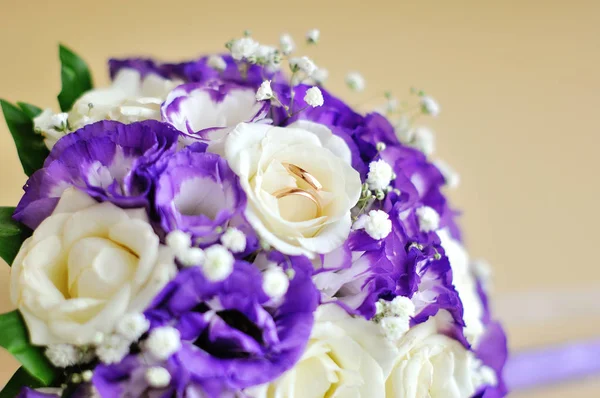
234 240
264 92
314 97
163 342
113 349
430 106
87 375
304 64
355 81
320 75
394 327
158 377
312 36
194 256
178 241
380 174
380 308
451 177
423 139
217 63
380 146
62 355
218 263
377 224
402 307
275 282
133 326
429 219
286 43
243 48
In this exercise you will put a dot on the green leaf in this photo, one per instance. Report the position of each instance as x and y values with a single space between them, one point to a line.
30 110
12 234
75 76
19 380
30 145
15 339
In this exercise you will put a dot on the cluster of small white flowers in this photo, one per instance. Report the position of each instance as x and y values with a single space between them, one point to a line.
314 97
376 223
181 244
217 63
264 92
394 316
163 342
132 326
275 282
52 126
430 106
380 174
113 348
355 81
312 36
218 263
421 138
429 219
243 48
303 64
158 377
234 240
451 177
320 75
286 44
63 355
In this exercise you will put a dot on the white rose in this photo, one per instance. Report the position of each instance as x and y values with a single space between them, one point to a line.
130 98
431 364
345 357
84 267
309 222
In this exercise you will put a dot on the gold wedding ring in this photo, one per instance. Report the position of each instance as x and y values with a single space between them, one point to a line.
282 193
306 177
303 175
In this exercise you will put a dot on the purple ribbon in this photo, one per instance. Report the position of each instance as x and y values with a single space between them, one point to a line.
544 366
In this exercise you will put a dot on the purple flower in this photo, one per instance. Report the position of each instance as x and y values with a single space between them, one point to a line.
205 111
31 393
199 71
197 192
233 335
108 160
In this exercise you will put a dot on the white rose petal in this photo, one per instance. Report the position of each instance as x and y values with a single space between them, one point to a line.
85 267
347 355
314 97
292 223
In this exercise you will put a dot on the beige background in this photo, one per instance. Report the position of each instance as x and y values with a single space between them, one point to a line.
517 80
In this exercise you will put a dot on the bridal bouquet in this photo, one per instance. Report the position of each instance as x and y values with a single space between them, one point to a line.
226 227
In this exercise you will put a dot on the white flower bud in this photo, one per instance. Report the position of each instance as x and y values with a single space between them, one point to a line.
320 75
218 263
402 307
429 219
163 342
217 63
234 240
275 282
377 224
430 106
451 177
304 64
380 174
178 241
113 349
314 97
62 355
287 44
193 256
243 48
355 81
394 327
133 326
264 92
158 377
312 36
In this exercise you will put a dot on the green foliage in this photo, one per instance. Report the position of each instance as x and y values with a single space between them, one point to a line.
20 379
12 234
75 76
